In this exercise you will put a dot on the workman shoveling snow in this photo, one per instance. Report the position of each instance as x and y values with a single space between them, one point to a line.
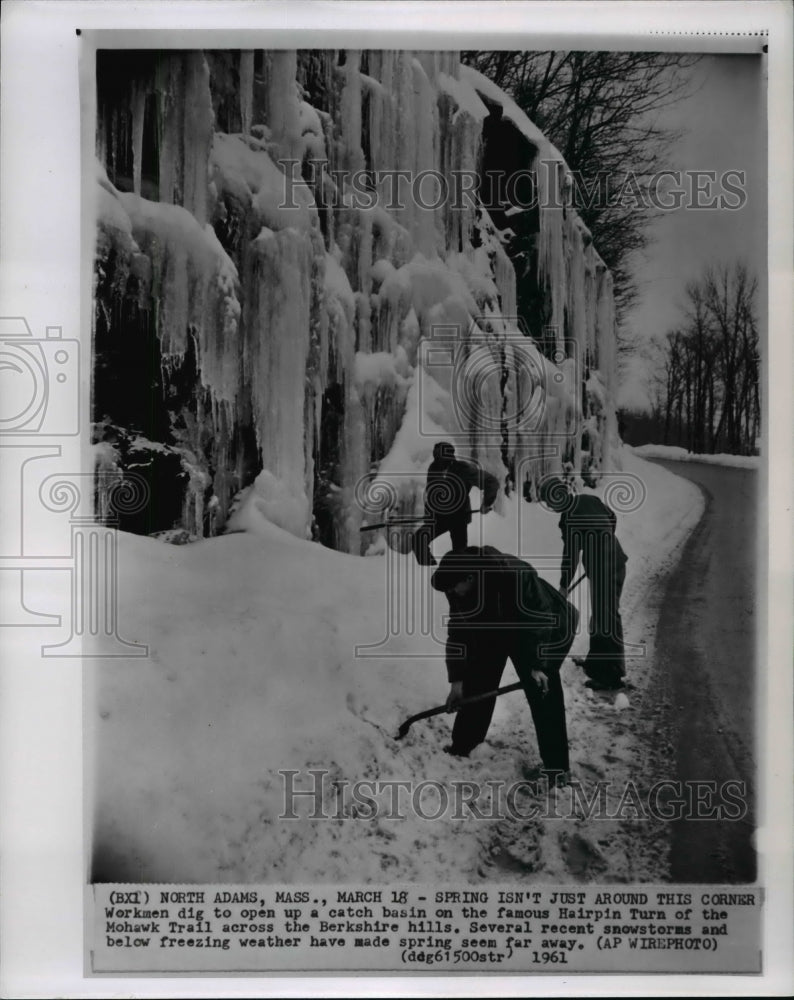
588 531
501 608
447 503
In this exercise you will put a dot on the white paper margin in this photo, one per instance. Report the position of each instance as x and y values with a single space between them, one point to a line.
41 733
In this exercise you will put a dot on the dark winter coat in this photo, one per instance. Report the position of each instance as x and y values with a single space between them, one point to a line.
588 531
512 611
447 490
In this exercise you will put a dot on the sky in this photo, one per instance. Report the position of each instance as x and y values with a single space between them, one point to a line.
724 123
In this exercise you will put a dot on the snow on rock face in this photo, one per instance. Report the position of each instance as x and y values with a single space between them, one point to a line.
243 169
291 310
199 286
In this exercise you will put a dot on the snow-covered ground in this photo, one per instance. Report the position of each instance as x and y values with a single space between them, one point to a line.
675 454
253 669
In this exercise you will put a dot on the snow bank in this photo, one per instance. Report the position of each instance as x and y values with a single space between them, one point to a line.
675 454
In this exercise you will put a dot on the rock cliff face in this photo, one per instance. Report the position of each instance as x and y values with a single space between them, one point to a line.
313 265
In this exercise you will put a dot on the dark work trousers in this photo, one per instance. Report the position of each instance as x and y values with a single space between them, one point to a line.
548 711
606 573
458 529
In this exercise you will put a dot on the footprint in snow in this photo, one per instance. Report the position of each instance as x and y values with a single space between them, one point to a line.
521 857
582 858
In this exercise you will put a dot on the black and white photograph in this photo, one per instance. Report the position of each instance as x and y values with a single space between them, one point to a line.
330 283
418 563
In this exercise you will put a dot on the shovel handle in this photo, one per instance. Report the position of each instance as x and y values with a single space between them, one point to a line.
403 521
385 524
440 709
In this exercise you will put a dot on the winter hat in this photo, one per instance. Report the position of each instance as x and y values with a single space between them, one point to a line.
443 449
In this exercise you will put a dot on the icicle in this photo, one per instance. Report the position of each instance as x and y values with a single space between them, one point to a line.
606 362
138 110
284 311
425 197
551 260
247 89
282 109
350 156
278 344
184 131
199 118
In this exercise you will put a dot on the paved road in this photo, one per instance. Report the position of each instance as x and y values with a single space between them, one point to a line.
706 655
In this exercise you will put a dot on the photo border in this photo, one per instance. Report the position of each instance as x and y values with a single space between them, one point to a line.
41 714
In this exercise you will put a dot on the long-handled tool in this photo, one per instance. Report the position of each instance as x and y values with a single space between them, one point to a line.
441 709
401 522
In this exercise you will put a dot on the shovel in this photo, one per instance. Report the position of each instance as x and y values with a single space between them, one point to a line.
399 523
442 709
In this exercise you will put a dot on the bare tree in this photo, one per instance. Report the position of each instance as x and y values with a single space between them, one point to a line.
602 111
730 298
711 367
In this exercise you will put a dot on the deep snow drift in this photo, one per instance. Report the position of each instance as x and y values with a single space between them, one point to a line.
253 669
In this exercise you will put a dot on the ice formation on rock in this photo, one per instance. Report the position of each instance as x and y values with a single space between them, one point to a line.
300 286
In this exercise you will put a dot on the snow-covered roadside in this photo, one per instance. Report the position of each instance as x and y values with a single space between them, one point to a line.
675 454
253 669
611 741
